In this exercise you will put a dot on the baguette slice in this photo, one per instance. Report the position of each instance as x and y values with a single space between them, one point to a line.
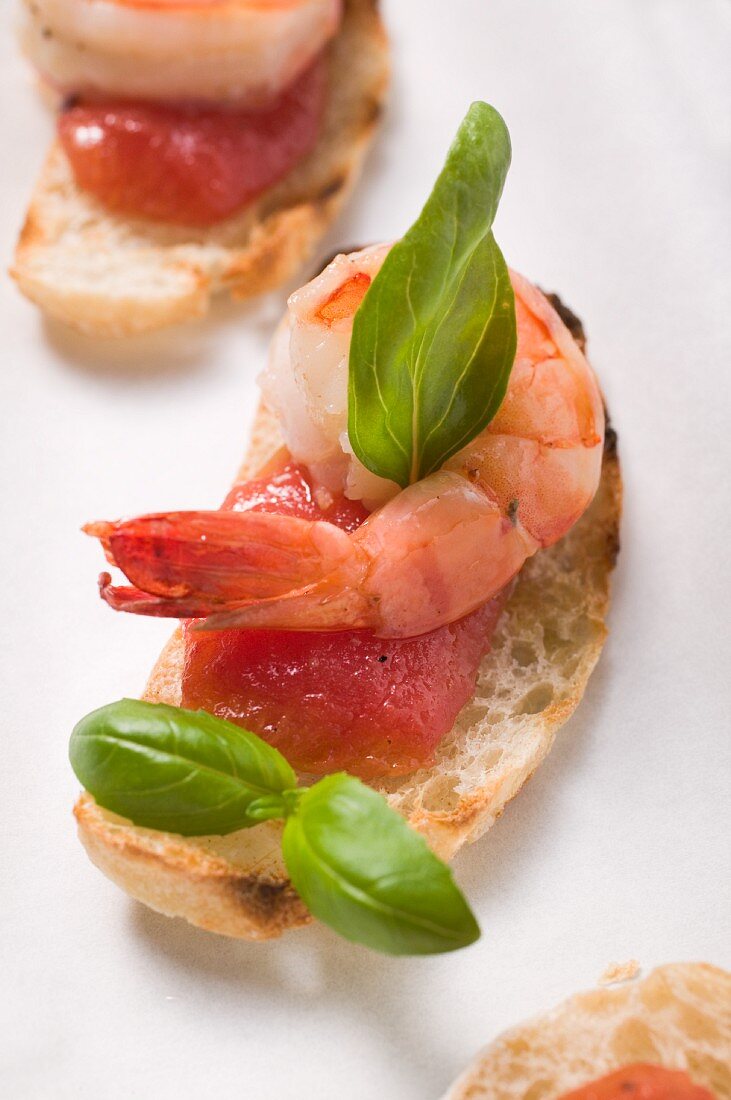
544 650
678 1017
108 275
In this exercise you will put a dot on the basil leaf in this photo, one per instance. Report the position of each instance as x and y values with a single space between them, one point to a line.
178 770
434 339
361 869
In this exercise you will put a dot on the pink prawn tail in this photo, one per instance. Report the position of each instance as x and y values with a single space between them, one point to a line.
193 564
127 598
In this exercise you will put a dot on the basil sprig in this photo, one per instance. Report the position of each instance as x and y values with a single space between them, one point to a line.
356 863
435 336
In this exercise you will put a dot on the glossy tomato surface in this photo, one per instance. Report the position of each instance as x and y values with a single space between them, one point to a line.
190 164
641 1082
332 701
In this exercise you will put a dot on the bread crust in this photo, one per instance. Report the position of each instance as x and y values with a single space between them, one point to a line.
237 885
678 1017
107 275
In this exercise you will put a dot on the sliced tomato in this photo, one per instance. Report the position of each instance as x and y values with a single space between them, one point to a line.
289 493
189 164
642 1082
336 701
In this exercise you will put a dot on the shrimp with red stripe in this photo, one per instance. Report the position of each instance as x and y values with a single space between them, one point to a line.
426 555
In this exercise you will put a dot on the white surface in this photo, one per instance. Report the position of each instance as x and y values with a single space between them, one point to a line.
618 197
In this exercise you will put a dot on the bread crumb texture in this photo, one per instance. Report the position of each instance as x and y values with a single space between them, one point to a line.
620 972
678 1017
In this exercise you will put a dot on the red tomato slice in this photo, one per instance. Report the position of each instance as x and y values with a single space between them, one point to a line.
289 493
642 1082
189 164
336 701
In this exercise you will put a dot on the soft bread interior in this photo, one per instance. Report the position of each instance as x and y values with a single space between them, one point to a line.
544 650
679 1017
109 275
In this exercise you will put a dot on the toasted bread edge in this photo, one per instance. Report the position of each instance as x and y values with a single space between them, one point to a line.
678 1017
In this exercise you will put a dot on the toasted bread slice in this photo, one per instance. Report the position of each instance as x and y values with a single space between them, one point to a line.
108 275
544 650
678 1017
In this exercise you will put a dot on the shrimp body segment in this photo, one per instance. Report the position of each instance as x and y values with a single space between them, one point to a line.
441 547
426 555
244 52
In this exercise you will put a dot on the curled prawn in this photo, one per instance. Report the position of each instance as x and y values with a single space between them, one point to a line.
240 51
426 556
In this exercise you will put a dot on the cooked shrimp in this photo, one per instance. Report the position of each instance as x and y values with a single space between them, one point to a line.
432 552
241 51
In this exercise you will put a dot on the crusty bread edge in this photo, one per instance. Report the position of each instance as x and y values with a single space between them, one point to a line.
178 879
276 240
679 1017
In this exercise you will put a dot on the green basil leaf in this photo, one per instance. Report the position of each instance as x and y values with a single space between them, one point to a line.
435 336
361 869
178 770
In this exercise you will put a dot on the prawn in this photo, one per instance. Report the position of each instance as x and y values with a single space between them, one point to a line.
243 52
426 555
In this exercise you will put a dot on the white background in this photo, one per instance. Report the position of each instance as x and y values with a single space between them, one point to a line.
620 114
